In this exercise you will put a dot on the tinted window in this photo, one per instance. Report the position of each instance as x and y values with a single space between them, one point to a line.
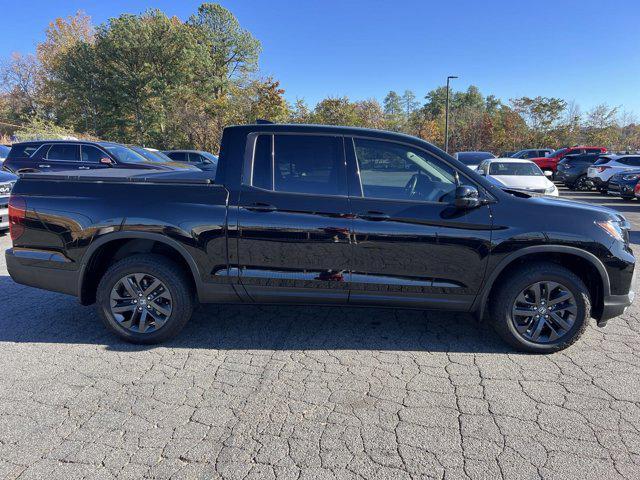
122 153
300 164
195 158
92 154
65 152
602 161
177 156
22 151
631 161
594 150
560 152
473 158
395 171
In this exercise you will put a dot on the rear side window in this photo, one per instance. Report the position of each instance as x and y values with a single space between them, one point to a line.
92 154
22 151
602 161
594 150
64 152
177 156
195 158
312 164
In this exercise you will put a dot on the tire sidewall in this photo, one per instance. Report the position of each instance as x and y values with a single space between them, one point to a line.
181 309
582 303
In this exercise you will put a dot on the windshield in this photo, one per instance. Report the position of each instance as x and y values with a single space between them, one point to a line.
559 152
4 151
123 154
473 158
150 155
515 168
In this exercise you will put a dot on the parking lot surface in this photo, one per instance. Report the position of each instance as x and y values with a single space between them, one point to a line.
306 392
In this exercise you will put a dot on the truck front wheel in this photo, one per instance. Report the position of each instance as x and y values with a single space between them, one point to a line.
145 298
540 308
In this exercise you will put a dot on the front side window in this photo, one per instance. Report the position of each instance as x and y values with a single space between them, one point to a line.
312 164
398 172
92 154
177 156
64 152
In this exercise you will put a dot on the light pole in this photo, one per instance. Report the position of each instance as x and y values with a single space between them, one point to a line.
446 117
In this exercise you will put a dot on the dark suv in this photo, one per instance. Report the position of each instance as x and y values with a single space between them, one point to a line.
64 155
572 171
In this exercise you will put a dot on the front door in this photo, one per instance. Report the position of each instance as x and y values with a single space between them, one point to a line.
411 246
294 220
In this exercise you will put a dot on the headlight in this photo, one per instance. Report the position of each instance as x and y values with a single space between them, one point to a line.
632 176
551 189
618 229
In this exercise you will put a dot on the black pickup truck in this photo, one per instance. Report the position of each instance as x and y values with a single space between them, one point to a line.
301 214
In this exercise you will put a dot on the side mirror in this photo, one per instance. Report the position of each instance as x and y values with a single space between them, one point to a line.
548 173
106 161
467 197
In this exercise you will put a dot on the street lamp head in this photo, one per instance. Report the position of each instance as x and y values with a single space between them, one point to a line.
451 76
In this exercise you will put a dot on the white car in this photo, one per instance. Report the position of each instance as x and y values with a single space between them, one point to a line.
608 165
518 175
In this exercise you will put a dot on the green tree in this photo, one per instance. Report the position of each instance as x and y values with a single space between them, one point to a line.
393 112
335 111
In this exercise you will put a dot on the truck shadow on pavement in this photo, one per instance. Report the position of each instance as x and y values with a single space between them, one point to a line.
28 315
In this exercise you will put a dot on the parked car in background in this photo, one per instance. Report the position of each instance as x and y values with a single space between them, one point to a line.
572 171
203 160
4 151
321 215
550 162
472 159
607 166
517 174
532 153
157 156
63 155
507 154
623 184
7 181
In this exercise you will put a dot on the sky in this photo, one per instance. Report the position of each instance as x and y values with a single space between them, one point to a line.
585 51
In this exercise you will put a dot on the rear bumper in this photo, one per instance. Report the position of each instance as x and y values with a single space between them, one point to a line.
40 269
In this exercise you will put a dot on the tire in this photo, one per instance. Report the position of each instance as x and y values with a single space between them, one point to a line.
602 192
627 199
581 184
173 279
503 301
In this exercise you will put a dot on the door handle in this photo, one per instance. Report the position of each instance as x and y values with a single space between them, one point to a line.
44 166
261 207
374 216
84 168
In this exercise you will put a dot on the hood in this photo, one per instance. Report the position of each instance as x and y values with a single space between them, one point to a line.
562 202
521 182
7 177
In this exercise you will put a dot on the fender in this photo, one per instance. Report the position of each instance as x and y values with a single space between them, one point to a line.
480 301
138 235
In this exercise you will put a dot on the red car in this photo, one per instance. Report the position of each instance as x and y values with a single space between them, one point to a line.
551 162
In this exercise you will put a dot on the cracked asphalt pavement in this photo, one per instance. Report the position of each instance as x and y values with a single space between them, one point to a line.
311 393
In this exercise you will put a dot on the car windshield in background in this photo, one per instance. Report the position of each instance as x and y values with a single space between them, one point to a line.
602 161
211 158
560 151
473 158
123 154
151 156
514 168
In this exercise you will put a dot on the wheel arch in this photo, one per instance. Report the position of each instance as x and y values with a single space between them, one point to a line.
581 262
108 246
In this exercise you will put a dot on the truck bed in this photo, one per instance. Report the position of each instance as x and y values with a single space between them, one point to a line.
123 175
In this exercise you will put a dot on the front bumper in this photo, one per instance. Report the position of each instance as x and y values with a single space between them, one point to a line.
614 306
622 188
42 269
4 213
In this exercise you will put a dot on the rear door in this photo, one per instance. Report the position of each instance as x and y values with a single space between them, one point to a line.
294 219
411 246
59 157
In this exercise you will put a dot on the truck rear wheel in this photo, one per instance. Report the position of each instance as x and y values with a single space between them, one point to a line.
145 299
540 308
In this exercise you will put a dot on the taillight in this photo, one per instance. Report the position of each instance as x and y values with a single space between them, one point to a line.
17 214
636 190
602 169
